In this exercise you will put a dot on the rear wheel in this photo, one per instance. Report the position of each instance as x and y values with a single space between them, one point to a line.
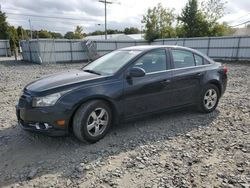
92 121
209 99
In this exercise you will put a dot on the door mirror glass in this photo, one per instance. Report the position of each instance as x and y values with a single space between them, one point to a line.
136 72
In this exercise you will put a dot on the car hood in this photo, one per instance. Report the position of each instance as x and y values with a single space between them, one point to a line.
60 79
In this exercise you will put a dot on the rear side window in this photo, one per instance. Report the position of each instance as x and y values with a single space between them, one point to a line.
198 60
182 58
153 61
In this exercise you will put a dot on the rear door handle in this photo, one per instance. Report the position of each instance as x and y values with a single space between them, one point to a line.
166 81
198 74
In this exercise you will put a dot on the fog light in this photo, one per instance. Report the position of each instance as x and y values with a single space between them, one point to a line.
60 122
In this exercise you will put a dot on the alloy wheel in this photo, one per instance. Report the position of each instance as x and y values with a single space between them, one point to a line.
97 122
210 99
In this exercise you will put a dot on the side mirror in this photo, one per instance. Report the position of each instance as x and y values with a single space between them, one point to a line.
136 72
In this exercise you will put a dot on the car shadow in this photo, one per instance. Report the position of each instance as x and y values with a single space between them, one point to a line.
21 151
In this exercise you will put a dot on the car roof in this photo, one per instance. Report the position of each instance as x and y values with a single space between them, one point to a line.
151 47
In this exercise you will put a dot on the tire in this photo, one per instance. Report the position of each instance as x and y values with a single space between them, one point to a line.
208 99
92 121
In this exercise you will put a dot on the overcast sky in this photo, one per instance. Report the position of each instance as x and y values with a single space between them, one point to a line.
123 13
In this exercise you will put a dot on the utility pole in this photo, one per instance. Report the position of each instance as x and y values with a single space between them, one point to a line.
105 5
22 33
30 29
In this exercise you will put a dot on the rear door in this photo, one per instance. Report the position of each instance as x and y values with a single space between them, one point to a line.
188 71
151 92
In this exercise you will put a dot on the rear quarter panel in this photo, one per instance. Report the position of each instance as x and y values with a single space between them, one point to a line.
214 74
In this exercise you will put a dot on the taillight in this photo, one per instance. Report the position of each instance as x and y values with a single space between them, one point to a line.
225 69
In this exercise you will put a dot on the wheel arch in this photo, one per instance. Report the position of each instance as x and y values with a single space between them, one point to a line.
111 104
217 84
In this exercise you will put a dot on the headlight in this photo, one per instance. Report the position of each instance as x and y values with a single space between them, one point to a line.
48 100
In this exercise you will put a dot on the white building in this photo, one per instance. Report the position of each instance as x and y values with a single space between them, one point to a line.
116 37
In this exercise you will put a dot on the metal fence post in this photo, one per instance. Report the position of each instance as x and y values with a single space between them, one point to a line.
71 53
238 49
208 46
116 45
184 41
30 51
6 48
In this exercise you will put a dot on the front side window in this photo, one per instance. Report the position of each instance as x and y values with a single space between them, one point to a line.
153 61
110 63
182 58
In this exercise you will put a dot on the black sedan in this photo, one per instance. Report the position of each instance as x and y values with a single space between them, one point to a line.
124 84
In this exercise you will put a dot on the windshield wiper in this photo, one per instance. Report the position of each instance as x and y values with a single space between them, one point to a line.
91 71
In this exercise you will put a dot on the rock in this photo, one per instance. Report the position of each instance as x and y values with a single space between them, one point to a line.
220 175
80 168
240 169
203 174
141 166
244 150
87 167
245 185
220 129
130 165
68 182
32 173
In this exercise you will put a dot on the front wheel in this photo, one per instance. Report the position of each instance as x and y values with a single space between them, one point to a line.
92 121
209 99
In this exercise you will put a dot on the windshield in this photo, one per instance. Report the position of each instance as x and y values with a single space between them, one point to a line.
110 63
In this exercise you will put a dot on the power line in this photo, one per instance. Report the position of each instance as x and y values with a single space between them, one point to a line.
237 20
42 21
241 23
40 16
54 13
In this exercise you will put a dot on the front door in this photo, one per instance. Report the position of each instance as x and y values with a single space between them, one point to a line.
151 92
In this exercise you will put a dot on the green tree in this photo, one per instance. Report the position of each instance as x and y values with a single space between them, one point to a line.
193 20
180 31
44 34
221 30
96 33
213 9
131 30
3 26
79 34
13 37
56 35
69 35
22 33
159 23
113 31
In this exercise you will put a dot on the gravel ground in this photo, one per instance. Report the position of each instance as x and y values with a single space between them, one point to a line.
177 149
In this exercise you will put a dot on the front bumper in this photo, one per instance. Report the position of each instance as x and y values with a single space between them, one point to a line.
41 128
42 120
